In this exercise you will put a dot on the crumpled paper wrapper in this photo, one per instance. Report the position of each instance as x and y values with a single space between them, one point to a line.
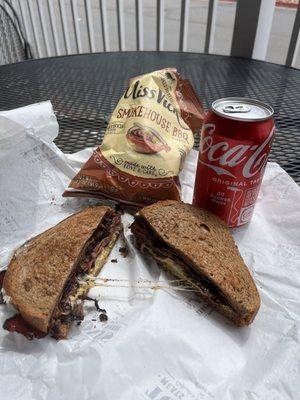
157 344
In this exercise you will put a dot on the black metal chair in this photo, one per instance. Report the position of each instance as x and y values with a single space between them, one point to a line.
13 44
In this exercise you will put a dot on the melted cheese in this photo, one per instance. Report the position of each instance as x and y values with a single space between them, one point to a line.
170 266
6 297
100 261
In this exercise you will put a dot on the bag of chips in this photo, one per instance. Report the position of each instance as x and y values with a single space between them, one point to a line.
149 135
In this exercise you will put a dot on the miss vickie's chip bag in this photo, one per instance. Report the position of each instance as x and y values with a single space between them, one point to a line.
146 142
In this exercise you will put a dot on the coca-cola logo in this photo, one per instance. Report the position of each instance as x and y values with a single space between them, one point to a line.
221 157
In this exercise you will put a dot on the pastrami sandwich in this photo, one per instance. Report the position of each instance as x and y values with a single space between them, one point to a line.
197 247
43 278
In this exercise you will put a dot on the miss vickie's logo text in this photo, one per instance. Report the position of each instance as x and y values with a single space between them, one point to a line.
139 90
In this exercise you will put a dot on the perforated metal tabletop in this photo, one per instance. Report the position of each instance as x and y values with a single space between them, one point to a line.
84 90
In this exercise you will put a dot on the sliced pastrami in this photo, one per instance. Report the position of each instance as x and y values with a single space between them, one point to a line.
98 242
18 324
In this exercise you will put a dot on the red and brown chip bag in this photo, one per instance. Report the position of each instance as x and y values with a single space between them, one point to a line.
146 142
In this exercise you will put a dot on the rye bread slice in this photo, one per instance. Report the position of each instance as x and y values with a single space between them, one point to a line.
40 269
205 247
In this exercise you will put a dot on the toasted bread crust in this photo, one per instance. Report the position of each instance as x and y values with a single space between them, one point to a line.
38 271
205 242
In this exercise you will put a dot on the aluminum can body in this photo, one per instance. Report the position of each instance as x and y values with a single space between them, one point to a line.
236 139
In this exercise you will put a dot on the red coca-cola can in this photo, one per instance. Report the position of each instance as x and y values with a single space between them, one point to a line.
236 139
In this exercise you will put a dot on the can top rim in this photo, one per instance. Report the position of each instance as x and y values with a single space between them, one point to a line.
263 110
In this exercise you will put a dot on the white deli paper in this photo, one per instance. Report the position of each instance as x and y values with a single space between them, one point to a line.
157 344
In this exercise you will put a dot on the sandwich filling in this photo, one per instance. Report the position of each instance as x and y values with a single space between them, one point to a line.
168 258
70 306
89 262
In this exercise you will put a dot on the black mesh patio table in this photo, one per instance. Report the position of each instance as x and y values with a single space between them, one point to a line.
84 90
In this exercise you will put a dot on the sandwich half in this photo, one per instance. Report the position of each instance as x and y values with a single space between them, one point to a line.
197 248
42 279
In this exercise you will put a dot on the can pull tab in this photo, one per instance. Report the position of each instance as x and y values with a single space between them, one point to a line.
236 108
